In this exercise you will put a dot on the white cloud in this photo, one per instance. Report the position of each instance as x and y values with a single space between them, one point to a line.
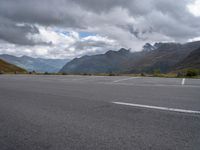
194 8
194 39
62 45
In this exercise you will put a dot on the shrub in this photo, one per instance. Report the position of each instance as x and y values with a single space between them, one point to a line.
191 72
85 74
64 73
142 74
1 72
111 74
156 71
181 74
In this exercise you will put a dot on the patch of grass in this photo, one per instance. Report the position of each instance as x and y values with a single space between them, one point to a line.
192 72
189 73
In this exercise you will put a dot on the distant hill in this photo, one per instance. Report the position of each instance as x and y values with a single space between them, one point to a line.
36 64
191 61
10 68
160 56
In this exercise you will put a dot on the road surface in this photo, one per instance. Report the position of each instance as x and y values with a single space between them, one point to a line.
98 113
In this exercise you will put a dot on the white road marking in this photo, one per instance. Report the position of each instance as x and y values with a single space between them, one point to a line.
125 79
150 85
159 108
183 81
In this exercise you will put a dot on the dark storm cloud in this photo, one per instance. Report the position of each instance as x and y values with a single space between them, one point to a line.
170 17
44 12
83 45
16 34
129 22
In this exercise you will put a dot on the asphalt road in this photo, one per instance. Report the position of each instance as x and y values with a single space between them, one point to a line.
78 113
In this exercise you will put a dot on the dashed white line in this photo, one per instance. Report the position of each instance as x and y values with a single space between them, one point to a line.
159 108
125 79
183 81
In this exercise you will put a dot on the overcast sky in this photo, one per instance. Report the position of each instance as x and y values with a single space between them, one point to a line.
73 28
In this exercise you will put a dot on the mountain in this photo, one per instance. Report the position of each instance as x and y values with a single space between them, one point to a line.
36 64
148 47
10 68
160 56
164 57
191 61
111 61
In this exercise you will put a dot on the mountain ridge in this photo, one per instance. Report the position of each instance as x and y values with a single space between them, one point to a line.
35 64
160 56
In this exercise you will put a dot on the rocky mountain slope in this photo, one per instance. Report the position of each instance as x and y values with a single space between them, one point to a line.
191 61
160 56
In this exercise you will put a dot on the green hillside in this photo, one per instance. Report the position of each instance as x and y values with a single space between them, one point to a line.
10 68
